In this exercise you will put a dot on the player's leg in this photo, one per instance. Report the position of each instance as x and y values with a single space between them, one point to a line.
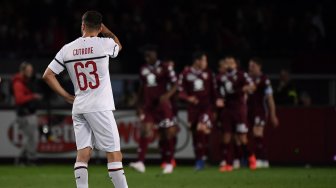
197 145
193 115
83 134
32 141
260 149
237 152
81 167
163 145
227 151
169 134
115 169
241 120
247 150
176 129
106 138
225 118
146 133
200 136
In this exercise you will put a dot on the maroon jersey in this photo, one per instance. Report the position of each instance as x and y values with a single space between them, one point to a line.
156 80
198 83
257 99
230 88
233 116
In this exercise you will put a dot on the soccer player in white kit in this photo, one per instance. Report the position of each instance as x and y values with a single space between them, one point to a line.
87 62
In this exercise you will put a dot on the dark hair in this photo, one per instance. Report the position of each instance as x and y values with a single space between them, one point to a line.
150 48
197 55
257 60
231 57
92 20
24 65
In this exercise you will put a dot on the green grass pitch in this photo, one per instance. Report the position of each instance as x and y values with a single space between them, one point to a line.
61 176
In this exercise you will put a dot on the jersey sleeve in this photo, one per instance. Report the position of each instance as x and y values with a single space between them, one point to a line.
111 48
142 74
182 86
171 73
57 64
247 79
268 87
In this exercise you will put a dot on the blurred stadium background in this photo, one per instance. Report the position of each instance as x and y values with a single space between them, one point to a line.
295 37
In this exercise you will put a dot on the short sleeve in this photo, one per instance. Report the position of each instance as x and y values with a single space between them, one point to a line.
171 73
57 64
111 48
268 87
247 79
181 82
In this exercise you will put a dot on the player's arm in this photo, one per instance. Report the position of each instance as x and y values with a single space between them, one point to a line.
108 34
218 95
182 93
218 101
271 104
169 93
272 108
50 78
173 81
249 86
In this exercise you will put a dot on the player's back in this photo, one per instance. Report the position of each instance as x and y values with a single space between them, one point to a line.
87 62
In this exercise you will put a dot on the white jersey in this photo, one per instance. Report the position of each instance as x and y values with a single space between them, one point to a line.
87 62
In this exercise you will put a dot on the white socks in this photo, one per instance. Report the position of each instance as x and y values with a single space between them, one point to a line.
81 175
117 175
115 171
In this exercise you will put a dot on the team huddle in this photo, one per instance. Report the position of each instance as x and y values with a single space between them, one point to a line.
233 101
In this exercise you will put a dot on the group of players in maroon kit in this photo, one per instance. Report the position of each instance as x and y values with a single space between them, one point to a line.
232 100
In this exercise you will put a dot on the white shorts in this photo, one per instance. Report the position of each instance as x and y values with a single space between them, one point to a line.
96 130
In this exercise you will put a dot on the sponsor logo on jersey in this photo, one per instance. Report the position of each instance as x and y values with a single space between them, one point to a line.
191 77
145 71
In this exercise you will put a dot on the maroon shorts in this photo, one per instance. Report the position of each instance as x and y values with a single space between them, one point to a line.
233 120
257 117
161 114
198 115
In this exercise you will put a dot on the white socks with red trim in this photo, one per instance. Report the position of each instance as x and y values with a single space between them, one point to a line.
81 175
117 175
115 171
